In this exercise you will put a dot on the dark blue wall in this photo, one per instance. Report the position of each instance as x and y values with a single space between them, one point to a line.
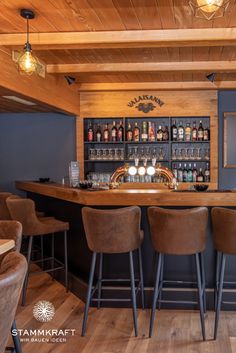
35 145
226 103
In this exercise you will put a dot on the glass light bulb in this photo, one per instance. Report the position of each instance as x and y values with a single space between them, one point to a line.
210 5
141 171
132 171
151 170
27 63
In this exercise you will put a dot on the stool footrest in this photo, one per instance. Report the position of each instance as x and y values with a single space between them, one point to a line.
177 301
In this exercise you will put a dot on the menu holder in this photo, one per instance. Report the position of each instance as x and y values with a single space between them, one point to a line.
74 174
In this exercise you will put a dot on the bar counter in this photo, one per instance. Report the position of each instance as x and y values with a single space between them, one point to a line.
127 197
65 203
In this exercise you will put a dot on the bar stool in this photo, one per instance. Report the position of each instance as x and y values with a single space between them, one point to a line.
110 232
178 232
224 237
4 212
23 210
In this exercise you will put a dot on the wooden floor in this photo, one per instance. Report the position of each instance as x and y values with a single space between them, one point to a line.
111 330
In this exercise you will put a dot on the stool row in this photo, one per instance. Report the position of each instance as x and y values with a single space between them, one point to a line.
173 232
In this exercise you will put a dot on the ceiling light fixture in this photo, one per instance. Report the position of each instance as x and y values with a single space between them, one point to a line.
27 62
209 9
70 79
211 77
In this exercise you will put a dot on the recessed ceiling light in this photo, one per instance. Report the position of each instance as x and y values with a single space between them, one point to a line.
19 100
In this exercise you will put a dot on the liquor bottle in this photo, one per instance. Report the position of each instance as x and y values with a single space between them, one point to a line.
106 134
136 133
113 132
174 132
159 134
194 132
194 173
175 171
180 132
200 132
180 173
207 173
165 135
98 134
200 176
144 135
90 133
190 173
151 131
120 132
129 133
206 134
185 173
187 132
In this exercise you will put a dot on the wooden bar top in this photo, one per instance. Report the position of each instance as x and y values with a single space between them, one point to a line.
128 197
6 245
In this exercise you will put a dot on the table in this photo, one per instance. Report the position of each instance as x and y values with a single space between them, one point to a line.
6 245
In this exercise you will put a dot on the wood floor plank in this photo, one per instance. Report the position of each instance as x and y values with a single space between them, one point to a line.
111 330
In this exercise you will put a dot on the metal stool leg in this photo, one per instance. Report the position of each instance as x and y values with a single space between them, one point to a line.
66 260
219 294
218 261
16 340
88 299
203 281
27 273
42 254
155 294
200 295
141 276
53 253
161 282
100 280
132 282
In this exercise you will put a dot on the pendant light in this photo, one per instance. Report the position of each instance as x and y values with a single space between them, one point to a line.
209 9
27 62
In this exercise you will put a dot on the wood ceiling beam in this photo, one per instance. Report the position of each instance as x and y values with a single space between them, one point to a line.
193 66
146 86
124 39
53 91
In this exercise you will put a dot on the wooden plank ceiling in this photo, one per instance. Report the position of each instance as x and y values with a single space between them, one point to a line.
125 16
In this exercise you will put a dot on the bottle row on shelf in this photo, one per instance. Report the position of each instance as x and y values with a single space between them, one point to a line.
191 174
148 132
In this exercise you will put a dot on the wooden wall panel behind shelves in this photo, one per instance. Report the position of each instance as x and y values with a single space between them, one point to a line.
176 103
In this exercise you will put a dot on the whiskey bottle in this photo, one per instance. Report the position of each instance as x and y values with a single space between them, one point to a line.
207 173
194 132
144 132
106 134
174 132
200 176
194 173
159 134
185 173
180 173
114 132
120 133
165 134
180 132
200 132
98 134
187 132
90 133
136 133
129 134
190 173
206 134
151 131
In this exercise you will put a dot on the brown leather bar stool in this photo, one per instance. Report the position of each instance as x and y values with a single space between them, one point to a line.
12 273
224 237
111 232
23 210
4 212
179 232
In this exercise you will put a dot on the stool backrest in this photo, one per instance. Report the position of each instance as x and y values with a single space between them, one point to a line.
112 231
12 273
178 232
11 230
224 229
4 213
